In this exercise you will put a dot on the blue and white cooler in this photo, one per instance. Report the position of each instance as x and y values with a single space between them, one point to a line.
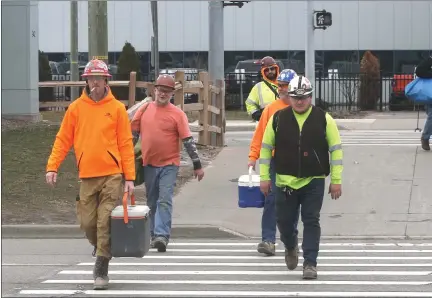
249 193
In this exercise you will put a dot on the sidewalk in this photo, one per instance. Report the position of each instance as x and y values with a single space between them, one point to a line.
385 194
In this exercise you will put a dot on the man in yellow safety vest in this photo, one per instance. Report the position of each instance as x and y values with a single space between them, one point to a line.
264 92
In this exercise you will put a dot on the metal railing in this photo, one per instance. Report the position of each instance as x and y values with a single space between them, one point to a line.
336 91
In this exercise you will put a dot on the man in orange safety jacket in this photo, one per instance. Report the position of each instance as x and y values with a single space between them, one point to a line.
268 221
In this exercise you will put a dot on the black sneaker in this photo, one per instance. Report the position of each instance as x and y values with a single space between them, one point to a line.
292 257
425 144
160 243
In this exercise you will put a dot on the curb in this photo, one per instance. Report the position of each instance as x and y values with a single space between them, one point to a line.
73 232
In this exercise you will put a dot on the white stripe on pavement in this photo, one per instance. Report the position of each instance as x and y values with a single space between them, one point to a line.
321 244
321 251
223 257
245 272
246 282
229 293
262 264
401 266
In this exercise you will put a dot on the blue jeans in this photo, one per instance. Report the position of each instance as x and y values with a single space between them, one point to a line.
427 131
268 220
160 183
310 197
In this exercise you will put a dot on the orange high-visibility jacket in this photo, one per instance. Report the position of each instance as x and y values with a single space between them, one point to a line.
269 110
101 135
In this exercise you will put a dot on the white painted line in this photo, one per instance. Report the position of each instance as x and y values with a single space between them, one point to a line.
246 282
213 257
361 138
261 272
36 265
261 264
134 293
321 251
370 144
348 143
355 120
321 244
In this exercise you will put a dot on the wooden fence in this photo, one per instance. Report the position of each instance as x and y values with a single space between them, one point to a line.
202 87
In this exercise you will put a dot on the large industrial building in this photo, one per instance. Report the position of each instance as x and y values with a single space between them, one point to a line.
399 33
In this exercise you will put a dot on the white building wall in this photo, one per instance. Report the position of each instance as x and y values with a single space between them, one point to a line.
257 26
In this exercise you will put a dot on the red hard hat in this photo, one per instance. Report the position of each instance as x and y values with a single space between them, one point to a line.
267 61
96 68
166 81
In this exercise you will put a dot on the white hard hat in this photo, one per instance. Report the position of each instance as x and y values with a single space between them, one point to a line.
300 86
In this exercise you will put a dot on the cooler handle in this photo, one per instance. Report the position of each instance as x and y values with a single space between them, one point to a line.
250 176
125 205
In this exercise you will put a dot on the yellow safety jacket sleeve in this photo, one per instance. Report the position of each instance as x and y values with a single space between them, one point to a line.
252 102
335 149
267 146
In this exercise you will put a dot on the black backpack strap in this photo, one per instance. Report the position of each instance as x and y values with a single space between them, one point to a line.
271 88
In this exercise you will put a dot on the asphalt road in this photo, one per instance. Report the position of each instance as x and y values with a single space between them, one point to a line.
231 268
398 138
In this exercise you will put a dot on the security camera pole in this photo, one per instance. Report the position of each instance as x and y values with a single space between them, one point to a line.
323 20
98 30
74 75
216 48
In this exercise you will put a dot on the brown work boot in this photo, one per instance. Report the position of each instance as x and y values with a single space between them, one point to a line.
100 273
292 257
309 272
267 248
425 144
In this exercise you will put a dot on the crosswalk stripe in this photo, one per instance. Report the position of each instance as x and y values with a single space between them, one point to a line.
197 269
134 293
321 251
400 138
245 282
262 264
355 244
245 272
165 257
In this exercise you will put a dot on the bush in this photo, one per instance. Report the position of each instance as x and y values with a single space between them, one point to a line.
128 61
45 94
370 82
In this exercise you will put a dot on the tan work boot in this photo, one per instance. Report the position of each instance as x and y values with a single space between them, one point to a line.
267 248
309 272
100 273
292 257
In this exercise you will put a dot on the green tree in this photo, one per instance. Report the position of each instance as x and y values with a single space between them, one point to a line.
370 82
45 93
128 61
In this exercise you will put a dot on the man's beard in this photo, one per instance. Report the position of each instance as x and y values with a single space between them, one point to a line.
271 76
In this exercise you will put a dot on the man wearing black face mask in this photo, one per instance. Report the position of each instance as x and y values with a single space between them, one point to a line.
264 92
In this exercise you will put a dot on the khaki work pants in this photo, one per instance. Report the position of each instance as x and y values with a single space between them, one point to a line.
98 197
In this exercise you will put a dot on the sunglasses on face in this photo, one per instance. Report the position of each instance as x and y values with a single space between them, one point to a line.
271 68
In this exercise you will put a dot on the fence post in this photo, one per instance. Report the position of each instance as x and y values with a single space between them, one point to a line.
132 88
220 119
179 77
179 95
203 98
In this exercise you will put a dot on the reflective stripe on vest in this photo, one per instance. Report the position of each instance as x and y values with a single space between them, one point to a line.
261 100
